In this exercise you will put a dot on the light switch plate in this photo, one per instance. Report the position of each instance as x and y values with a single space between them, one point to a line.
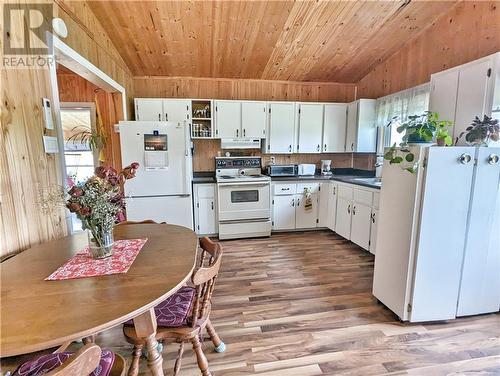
50 144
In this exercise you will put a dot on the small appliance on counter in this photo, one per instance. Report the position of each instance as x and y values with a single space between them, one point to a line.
306 169
326 167
282 170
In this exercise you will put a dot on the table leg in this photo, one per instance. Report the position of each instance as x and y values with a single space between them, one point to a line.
145 328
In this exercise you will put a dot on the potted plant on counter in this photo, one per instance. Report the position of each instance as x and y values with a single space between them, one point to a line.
480 132
99 203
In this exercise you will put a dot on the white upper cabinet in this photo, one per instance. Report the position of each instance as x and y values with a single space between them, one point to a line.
361 130
228 119
310 127
334 127
176 110
281 135
148 109
461 93
253 119
472 95
152 109
443 96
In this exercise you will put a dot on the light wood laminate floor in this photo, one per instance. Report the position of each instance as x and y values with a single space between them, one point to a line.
301 304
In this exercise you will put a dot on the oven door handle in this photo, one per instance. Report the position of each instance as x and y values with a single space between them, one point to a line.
243 185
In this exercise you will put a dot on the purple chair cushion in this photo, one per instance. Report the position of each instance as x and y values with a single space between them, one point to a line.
173 311
46 363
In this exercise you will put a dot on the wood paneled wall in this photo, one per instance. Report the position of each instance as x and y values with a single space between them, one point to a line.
73 88
223 88
469 31
27 174
206 150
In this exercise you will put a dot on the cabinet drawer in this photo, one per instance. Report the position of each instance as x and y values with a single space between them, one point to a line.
376 199
363 197
345 192
206 191
314 187
284 189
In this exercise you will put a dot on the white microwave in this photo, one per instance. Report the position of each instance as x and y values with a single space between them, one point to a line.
306 169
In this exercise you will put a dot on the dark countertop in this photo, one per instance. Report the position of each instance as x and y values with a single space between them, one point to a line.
345 175
203 177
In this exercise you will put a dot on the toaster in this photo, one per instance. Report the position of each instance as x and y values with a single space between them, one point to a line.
306 169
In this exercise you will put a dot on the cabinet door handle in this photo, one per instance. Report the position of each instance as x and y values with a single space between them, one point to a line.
290 148
159 117
373 217
212 205
349 208
317 148
237 132
285 189
354 210
166 116
352 146
244 132
334 188
298 202
293 202
325 148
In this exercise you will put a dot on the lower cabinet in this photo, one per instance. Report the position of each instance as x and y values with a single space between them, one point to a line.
361 225
343 222
289 210
284 212
356 216
349 210
306 218
205 209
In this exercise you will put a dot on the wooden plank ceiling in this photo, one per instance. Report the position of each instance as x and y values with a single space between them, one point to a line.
338 41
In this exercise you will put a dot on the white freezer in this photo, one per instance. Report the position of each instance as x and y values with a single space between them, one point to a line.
175 210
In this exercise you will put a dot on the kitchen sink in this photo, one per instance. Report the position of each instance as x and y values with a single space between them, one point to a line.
374 181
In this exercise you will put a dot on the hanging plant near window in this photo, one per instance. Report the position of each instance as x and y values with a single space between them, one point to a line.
94 139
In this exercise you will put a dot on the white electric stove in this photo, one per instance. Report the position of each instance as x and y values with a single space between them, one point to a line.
244 198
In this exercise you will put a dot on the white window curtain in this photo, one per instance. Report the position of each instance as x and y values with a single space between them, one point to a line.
402 104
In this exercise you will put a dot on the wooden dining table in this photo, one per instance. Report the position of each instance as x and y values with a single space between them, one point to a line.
37 314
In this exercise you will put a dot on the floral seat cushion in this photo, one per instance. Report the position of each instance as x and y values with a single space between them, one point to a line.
174 310
46 363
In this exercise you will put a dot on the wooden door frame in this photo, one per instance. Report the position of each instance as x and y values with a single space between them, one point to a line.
68 57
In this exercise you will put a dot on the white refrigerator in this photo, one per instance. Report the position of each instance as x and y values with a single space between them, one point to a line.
438 239
161 190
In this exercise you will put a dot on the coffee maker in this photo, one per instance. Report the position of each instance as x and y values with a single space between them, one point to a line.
326 167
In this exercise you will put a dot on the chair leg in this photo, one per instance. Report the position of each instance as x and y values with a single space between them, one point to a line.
219 345
178 360
200 356
136 357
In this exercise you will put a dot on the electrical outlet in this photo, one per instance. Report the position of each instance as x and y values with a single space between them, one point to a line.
272 159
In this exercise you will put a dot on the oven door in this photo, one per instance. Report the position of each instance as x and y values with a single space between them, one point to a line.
244 201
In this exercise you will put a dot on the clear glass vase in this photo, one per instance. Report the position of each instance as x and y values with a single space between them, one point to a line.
101 245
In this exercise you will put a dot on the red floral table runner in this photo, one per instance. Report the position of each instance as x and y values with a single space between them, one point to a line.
82 265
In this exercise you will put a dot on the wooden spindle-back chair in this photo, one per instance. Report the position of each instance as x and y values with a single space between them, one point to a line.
203 280
84 362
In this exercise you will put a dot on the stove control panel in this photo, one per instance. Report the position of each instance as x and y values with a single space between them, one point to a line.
238 162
